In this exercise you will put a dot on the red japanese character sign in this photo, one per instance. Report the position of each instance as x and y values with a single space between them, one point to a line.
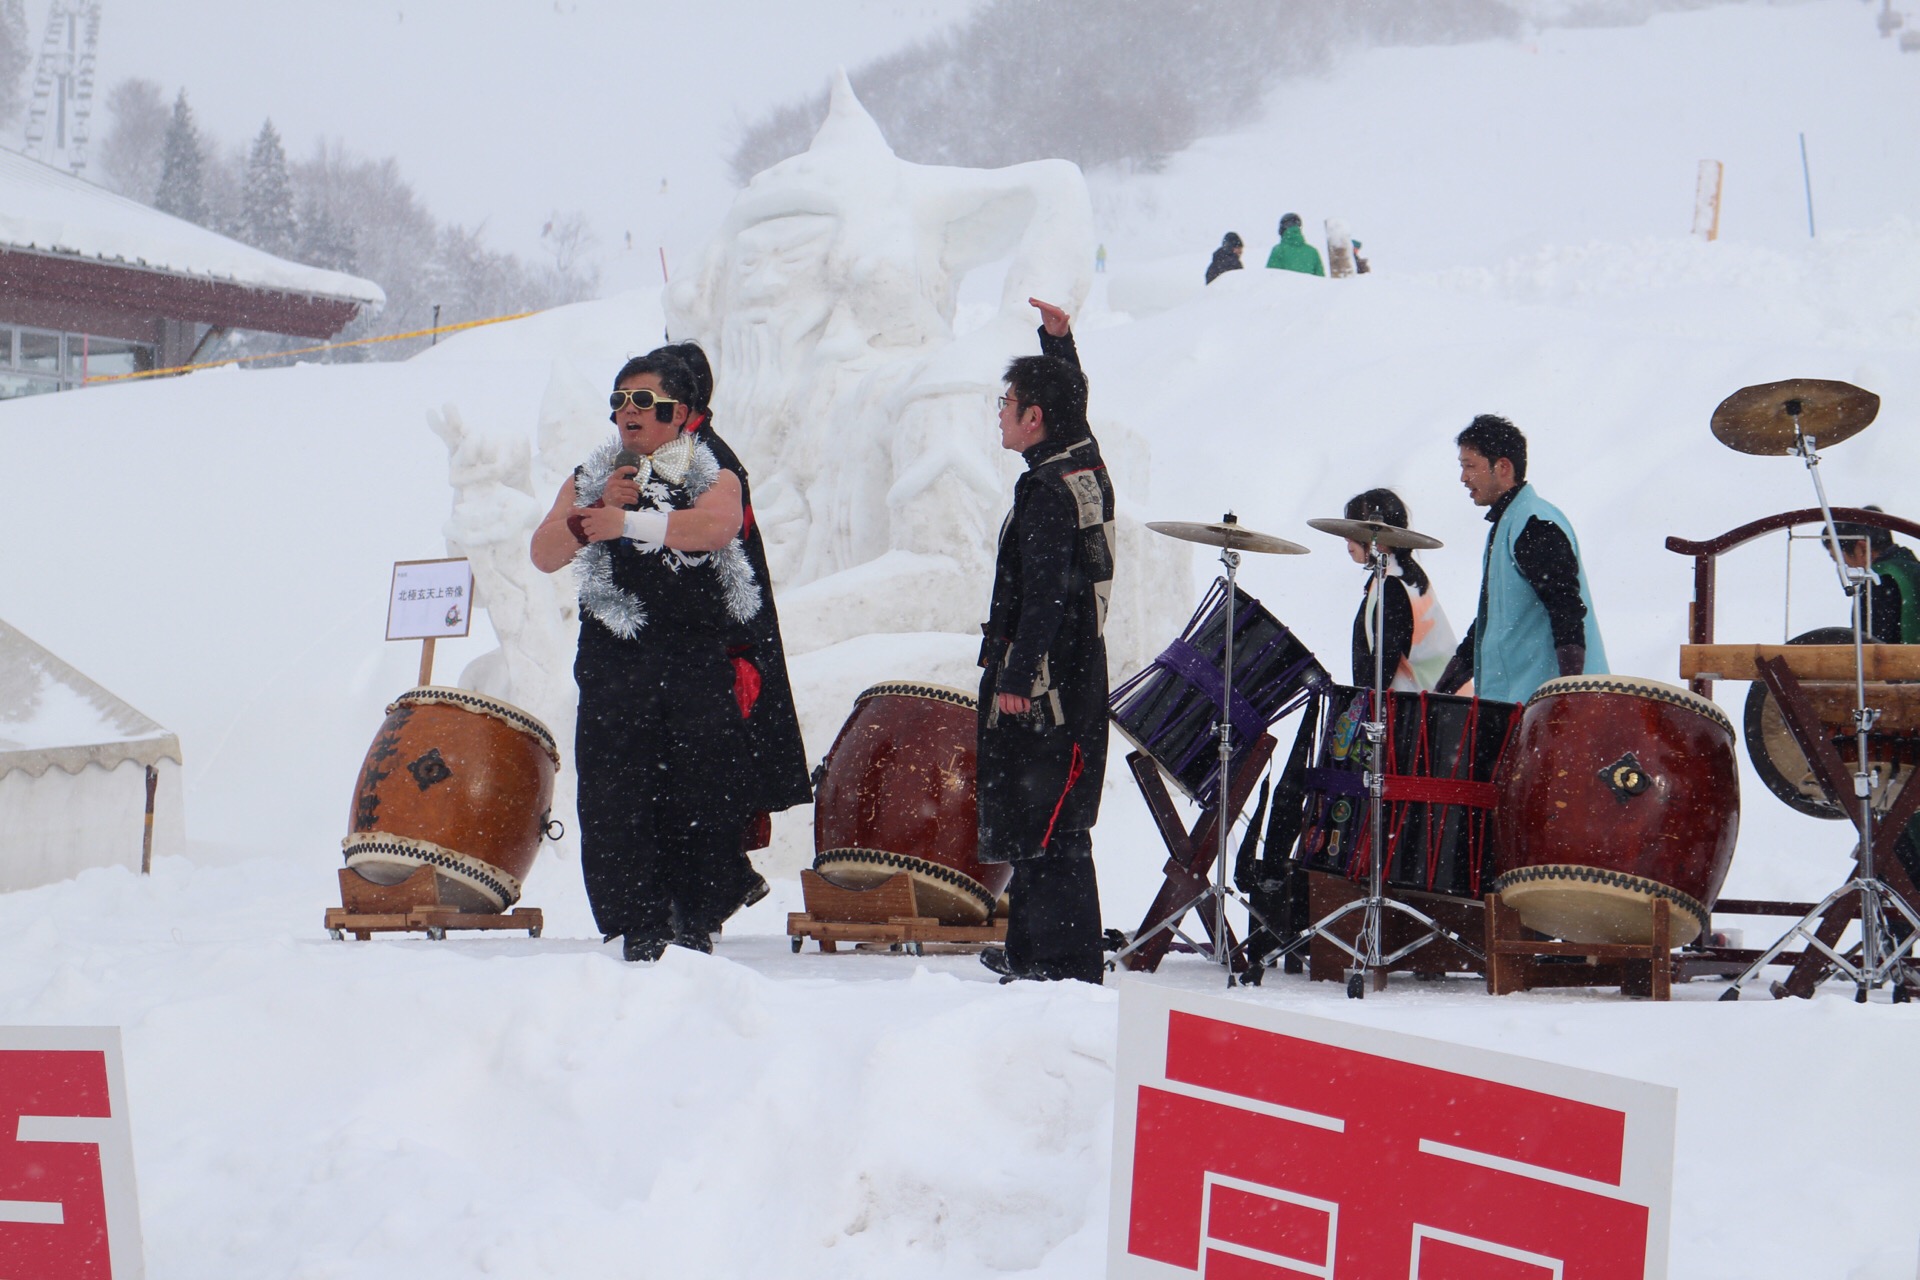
67 1205
1255 1144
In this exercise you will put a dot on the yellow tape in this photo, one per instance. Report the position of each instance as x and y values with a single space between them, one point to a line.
304 351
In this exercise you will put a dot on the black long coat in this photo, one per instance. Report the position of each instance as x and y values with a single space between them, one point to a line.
1041 773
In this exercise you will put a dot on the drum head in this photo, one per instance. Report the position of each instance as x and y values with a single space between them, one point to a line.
1636 687
1777 758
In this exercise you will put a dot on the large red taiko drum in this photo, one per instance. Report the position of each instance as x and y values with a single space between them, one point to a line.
900 794
1615 791
459 782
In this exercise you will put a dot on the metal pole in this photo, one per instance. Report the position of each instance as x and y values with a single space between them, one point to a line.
1376 781
1231 559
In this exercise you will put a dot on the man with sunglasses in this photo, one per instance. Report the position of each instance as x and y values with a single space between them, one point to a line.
651 524
1043 697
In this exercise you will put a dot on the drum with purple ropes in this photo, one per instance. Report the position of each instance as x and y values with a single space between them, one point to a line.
899 793
1616 791
1170 710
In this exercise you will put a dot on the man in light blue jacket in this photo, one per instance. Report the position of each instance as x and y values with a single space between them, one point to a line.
1536 618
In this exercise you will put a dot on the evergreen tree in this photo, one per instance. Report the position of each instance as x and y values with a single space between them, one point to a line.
15 58
325 241
181 192
266 200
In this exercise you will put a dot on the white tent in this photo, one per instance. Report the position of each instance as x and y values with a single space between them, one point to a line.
79 772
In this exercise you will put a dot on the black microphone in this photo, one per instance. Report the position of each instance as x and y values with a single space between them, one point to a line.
628 458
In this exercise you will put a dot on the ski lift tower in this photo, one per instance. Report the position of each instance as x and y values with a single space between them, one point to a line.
60 117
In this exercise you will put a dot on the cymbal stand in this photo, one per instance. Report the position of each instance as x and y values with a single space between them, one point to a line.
1219 951
1880 958
1365 951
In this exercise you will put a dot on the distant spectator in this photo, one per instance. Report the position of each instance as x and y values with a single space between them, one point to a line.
1293 253
1893 601
1360 266
1100 259
1227 256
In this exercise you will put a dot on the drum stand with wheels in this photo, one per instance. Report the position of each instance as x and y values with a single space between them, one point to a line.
1880 958
1366 949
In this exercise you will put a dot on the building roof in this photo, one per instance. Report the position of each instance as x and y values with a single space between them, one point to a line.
46 210
51 714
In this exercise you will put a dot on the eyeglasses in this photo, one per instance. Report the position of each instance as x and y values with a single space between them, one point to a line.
641 399
1003 401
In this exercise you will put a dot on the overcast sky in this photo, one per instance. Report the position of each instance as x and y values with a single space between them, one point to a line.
502 111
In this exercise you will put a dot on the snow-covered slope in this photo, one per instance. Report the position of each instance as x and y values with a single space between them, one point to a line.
215 550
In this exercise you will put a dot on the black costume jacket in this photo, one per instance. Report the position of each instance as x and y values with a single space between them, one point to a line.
659 745
777 768
1040 773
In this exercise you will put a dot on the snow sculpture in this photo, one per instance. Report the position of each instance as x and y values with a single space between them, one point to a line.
826 302
496 508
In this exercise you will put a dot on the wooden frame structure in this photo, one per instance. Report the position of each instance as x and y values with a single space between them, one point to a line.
1781 668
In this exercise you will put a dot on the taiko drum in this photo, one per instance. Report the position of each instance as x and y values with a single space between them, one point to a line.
899 794
1615 791
459 782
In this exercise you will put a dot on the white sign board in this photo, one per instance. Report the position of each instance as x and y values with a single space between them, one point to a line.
1252 1142
430 600
67 1204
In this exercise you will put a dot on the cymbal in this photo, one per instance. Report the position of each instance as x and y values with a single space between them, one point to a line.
1234 537
1759 419
1387 535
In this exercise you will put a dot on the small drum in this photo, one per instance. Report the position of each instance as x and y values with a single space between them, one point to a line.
900 793
1170 709
1616 791
1443 755
459 782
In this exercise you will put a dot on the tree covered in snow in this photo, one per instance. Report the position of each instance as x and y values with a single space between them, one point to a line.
15 58
336 210
266 197
182 190
1096 81
135 142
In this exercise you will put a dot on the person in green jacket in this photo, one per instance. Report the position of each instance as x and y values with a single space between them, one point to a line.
1893 600
1293 253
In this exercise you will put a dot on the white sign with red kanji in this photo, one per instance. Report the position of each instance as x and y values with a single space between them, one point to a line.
67 1204
1251 1143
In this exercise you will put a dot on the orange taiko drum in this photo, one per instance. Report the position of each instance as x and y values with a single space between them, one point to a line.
1615 791
899 794
459 782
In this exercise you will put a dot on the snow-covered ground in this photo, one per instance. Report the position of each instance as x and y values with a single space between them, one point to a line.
215 550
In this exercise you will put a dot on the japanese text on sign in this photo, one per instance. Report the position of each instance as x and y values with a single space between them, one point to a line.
1254 1154
430 600
67 1205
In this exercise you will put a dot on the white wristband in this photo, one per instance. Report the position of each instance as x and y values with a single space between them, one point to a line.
649 527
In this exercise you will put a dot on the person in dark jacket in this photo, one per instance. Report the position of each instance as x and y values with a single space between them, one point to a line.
1227 257
1893 599
1535 620
776 767
1293 253
1419 641
1043 695
651 522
